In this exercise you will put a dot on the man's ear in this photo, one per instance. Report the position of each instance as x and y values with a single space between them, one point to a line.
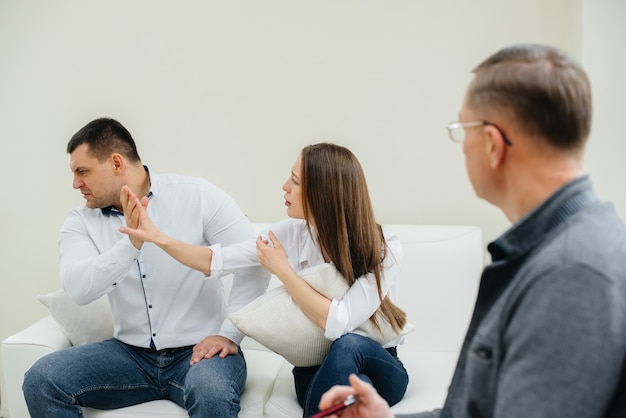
495 146
118 162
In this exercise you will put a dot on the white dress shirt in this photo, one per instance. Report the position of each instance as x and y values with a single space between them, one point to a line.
345 314
153 297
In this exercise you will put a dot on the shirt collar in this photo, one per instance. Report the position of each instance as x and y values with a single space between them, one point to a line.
309 246
110 210
534 226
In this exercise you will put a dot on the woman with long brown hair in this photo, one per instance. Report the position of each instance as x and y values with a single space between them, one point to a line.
331 220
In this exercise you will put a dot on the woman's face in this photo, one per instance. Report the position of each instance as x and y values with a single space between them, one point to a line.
293 198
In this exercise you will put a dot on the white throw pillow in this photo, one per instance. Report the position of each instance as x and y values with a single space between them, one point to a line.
275 320
82 323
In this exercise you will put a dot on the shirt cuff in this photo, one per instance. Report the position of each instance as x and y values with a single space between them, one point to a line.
231 332
127 251
217 261
334 329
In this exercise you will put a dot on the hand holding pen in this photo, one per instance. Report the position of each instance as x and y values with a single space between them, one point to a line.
365 402
334 410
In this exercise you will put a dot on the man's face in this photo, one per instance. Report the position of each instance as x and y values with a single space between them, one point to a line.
96 180
476 156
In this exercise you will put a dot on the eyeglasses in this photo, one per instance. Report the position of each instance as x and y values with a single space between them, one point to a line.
456 130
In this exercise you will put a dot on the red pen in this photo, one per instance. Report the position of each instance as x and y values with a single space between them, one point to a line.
350 400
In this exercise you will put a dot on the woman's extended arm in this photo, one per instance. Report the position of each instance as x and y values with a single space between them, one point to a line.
194 256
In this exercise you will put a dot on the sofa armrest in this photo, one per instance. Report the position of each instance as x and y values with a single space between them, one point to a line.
20 351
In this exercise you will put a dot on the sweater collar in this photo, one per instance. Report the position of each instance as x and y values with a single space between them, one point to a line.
538 223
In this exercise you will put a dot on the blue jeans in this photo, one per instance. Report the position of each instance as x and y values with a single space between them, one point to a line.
111 374
349 354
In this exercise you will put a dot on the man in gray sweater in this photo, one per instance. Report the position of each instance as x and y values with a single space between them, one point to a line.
548 334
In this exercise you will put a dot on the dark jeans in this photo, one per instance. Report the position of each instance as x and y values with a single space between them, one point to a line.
349 354
111 374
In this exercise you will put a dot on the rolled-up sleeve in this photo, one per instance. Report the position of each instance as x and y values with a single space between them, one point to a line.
361 301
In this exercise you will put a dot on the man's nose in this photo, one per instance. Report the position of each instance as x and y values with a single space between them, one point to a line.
77 183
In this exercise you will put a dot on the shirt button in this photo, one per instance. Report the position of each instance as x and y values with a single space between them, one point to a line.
483 353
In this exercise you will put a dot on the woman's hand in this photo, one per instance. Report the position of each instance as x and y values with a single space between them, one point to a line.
139 227
370 404
272 256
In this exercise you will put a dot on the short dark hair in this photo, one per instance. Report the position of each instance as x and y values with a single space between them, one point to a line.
105 136
541 87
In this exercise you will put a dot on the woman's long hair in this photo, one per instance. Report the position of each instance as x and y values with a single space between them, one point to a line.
337 202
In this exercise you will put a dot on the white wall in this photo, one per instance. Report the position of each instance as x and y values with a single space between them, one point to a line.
231 91
604 57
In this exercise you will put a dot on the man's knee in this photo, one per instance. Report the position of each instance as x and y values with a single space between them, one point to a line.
216 375
215 384
38 375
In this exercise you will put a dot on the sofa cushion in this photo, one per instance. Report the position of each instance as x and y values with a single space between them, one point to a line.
82 324
430 374
275 320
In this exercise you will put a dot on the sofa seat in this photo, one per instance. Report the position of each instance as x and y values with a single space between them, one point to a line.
161 408
21 350
440 273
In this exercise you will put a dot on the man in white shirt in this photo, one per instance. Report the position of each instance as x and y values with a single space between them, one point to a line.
171 338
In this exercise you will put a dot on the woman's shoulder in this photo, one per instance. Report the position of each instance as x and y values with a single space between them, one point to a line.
393 242
388 235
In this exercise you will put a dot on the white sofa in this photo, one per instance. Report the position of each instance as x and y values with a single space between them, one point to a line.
440 274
